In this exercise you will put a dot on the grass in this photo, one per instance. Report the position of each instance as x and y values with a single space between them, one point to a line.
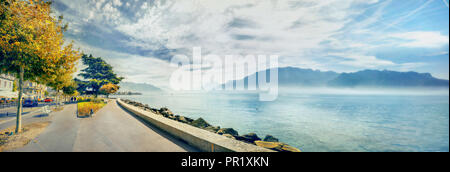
15 141
84 108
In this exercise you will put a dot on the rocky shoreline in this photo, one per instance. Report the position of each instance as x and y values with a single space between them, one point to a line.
269 141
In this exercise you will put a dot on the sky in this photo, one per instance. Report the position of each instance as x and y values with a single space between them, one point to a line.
139 37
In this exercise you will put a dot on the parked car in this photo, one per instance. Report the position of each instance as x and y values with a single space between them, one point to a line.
30 103
48 100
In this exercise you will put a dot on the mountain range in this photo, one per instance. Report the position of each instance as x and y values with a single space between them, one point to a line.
137 87
290 76
297 77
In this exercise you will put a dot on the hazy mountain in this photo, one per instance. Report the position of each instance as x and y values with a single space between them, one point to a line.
304 77
387 79
290 76
137 87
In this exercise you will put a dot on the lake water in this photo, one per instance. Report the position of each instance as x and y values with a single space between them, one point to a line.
323 122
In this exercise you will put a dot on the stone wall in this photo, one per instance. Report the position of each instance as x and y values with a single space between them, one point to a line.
201 139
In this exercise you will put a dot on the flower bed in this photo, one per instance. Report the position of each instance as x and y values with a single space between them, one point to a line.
84 108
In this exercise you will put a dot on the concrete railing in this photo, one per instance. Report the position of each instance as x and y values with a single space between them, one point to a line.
201 139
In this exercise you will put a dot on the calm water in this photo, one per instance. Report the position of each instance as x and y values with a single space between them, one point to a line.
323 122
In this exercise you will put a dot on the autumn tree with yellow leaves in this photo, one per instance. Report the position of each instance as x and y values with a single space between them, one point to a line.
32 46
109 88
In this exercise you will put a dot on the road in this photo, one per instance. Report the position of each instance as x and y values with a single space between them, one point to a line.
29 115
8 114
110 130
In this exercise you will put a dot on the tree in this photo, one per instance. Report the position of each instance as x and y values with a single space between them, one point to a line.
32 45
70 90
97 74
81 86
61 82
109 89
14 86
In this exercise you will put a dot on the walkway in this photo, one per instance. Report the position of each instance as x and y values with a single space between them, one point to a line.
110 130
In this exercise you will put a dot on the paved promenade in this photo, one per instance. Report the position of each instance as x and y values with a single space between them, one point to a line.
110 130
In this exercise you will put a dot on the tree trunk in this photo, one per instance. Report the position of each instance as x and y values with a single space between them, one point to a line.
58 98
19 104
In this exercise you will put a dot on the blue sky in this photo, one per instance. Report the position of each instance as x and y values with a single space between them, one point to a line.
138 37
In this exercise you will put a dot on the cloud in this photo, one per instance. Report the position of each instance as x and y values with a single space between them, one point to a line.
363 61
326 35
421 39
235 27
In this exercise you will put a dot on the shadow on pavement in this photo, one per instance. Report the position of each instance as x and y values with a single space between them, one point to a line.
41 115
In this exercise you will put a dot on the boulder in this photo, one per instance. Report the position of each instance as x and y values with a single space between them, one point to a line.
212 128
182 119
228 131
277 146
165 112
287 148
200 123
190 120
269 145
270 138
172 117
229 136
249 138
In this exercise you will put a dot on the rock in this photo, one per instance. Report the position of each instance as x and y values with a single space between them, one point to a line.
229 136
249 138
270 138
165 112
172 117
213 128
269 145
182 119
190 120
228 131
200 123
277 146
287 148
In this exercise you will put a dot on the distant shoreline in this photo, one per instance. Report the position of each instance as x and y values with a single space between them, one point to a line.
128 93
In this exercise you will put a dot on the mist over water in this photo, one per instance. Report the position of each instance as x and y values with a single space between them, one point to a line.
324 119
